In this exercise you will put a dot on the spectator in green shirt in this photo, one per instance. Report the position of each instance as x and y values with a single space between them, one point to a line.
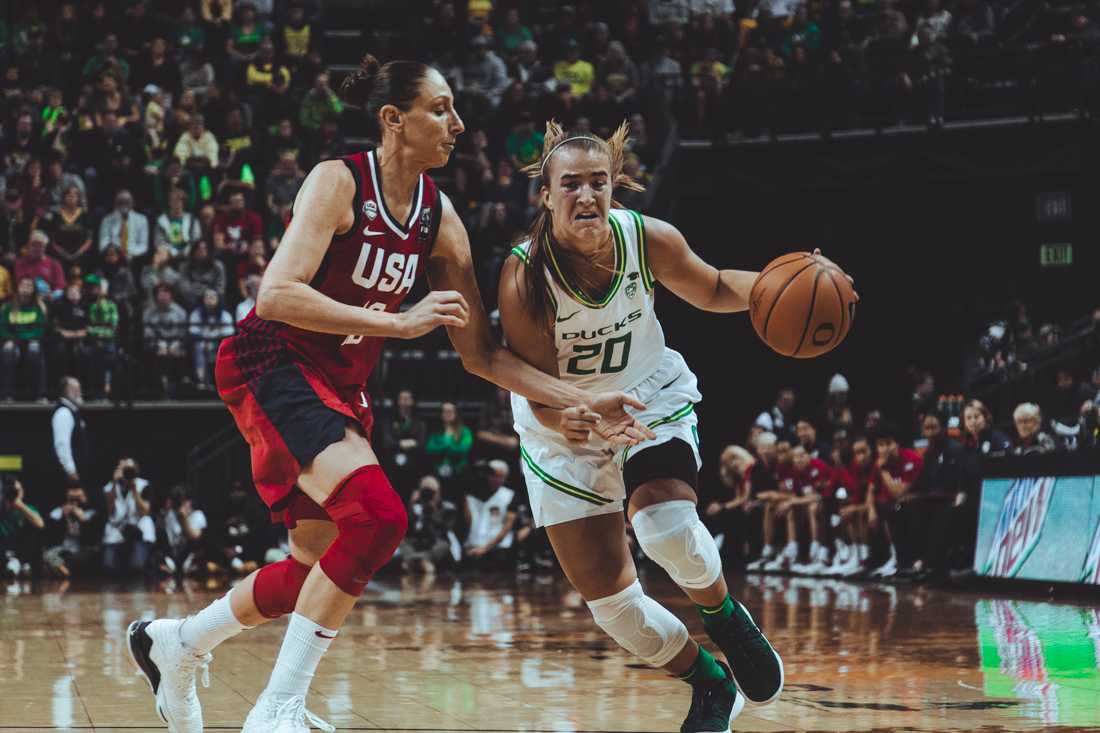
513 33
19 524
190 29
449 449
103 333
22 329
107 58
318 104
245 35
524 144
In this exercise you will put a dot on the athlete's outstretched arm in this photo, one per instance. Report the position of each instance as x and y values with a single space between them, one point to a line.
451 266
533 344
324 208
683 272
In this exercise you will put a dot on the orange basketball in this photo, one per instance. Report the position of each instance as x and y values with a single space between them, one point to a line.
802 305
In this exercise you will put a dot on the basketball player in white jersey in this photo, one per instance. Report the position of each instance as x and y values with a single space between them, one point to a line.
576 301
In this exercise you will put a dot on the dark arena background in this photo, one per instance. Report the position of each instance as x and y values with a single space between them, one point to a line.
944 154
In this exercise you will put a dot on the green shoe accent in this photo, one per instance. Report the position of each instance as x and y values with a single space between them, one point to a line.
756 666
705 670
714 706
715 614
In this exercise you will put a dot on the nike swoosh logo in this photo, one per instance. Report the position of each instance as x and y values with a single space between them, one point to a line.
368 233
560 320
324 636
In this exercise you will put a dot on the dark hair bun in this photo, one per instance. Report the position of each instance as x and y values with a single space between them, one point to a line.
356 87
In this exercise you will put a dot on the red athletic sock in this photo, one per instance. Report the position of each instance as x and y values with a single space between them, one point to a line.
276 587
372 522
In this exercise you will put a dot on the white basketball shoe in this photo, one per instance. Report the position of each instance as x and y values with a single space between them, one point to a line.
170 669
288 716
758 564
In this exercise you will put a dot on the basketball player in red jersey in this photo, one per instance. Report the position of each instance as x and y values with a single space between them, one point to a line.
364 229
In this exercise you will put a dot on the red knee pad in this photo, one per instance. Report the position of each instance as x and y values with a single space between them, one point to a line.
371 520
276 587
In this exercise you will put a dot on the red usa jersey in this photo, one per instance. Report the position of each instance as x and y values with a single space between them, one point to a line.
373 265
906 468
813 478
861 479
784 473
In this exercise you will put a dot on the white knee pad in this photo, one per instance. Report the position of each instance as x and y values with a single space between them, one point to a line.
673 536
640 625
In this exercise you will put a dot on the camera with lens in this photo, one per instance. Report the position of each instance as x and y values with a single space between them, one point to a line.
427 496
129 473
8 489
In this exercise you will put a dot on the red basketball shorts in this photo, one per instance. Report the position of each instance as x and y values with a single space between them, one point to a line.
288 413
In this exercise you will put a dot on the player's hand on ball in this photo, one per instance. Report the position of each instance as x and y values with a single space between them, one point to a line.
438 308
817 252
802 305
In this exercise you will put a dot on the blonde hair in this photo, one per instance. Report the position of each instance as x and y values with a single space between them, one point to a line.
736 452
765 438
573 267
1026 410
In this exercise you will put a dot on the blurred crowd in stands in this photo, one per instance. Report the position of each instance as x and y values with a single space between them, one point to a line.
819 492
814 490
150 151
459 481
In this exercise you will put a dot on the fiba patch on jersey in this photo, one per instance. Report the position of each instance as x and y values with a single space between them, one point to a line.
1019 525
632 286
1091 571
370 209
425 225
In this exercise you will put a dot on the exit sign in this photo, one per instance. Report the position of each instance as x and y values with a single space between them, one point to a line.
1053 207
1056 255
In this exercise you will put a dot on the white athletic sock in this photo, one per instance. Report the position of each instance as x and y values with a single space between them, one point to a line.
791 550
211 626
767 551
303 646
863 553
815 550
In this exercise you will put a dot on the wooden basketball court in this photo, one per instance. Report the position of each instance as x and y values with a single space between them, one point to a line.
505 655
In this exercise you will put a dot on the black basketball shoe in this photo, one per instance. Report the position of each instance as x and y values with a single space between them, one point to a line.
713 707
757 668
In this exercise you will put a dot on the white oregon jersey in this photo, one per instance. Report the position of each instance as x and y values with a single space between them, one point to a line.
616 343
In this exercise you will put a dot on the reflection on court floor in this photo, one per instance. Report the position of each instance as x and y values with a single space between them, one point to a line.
505 655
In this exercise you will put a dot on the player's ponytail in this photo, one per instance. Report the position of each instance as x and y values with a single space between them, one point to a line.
358 85
573 267
374 85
